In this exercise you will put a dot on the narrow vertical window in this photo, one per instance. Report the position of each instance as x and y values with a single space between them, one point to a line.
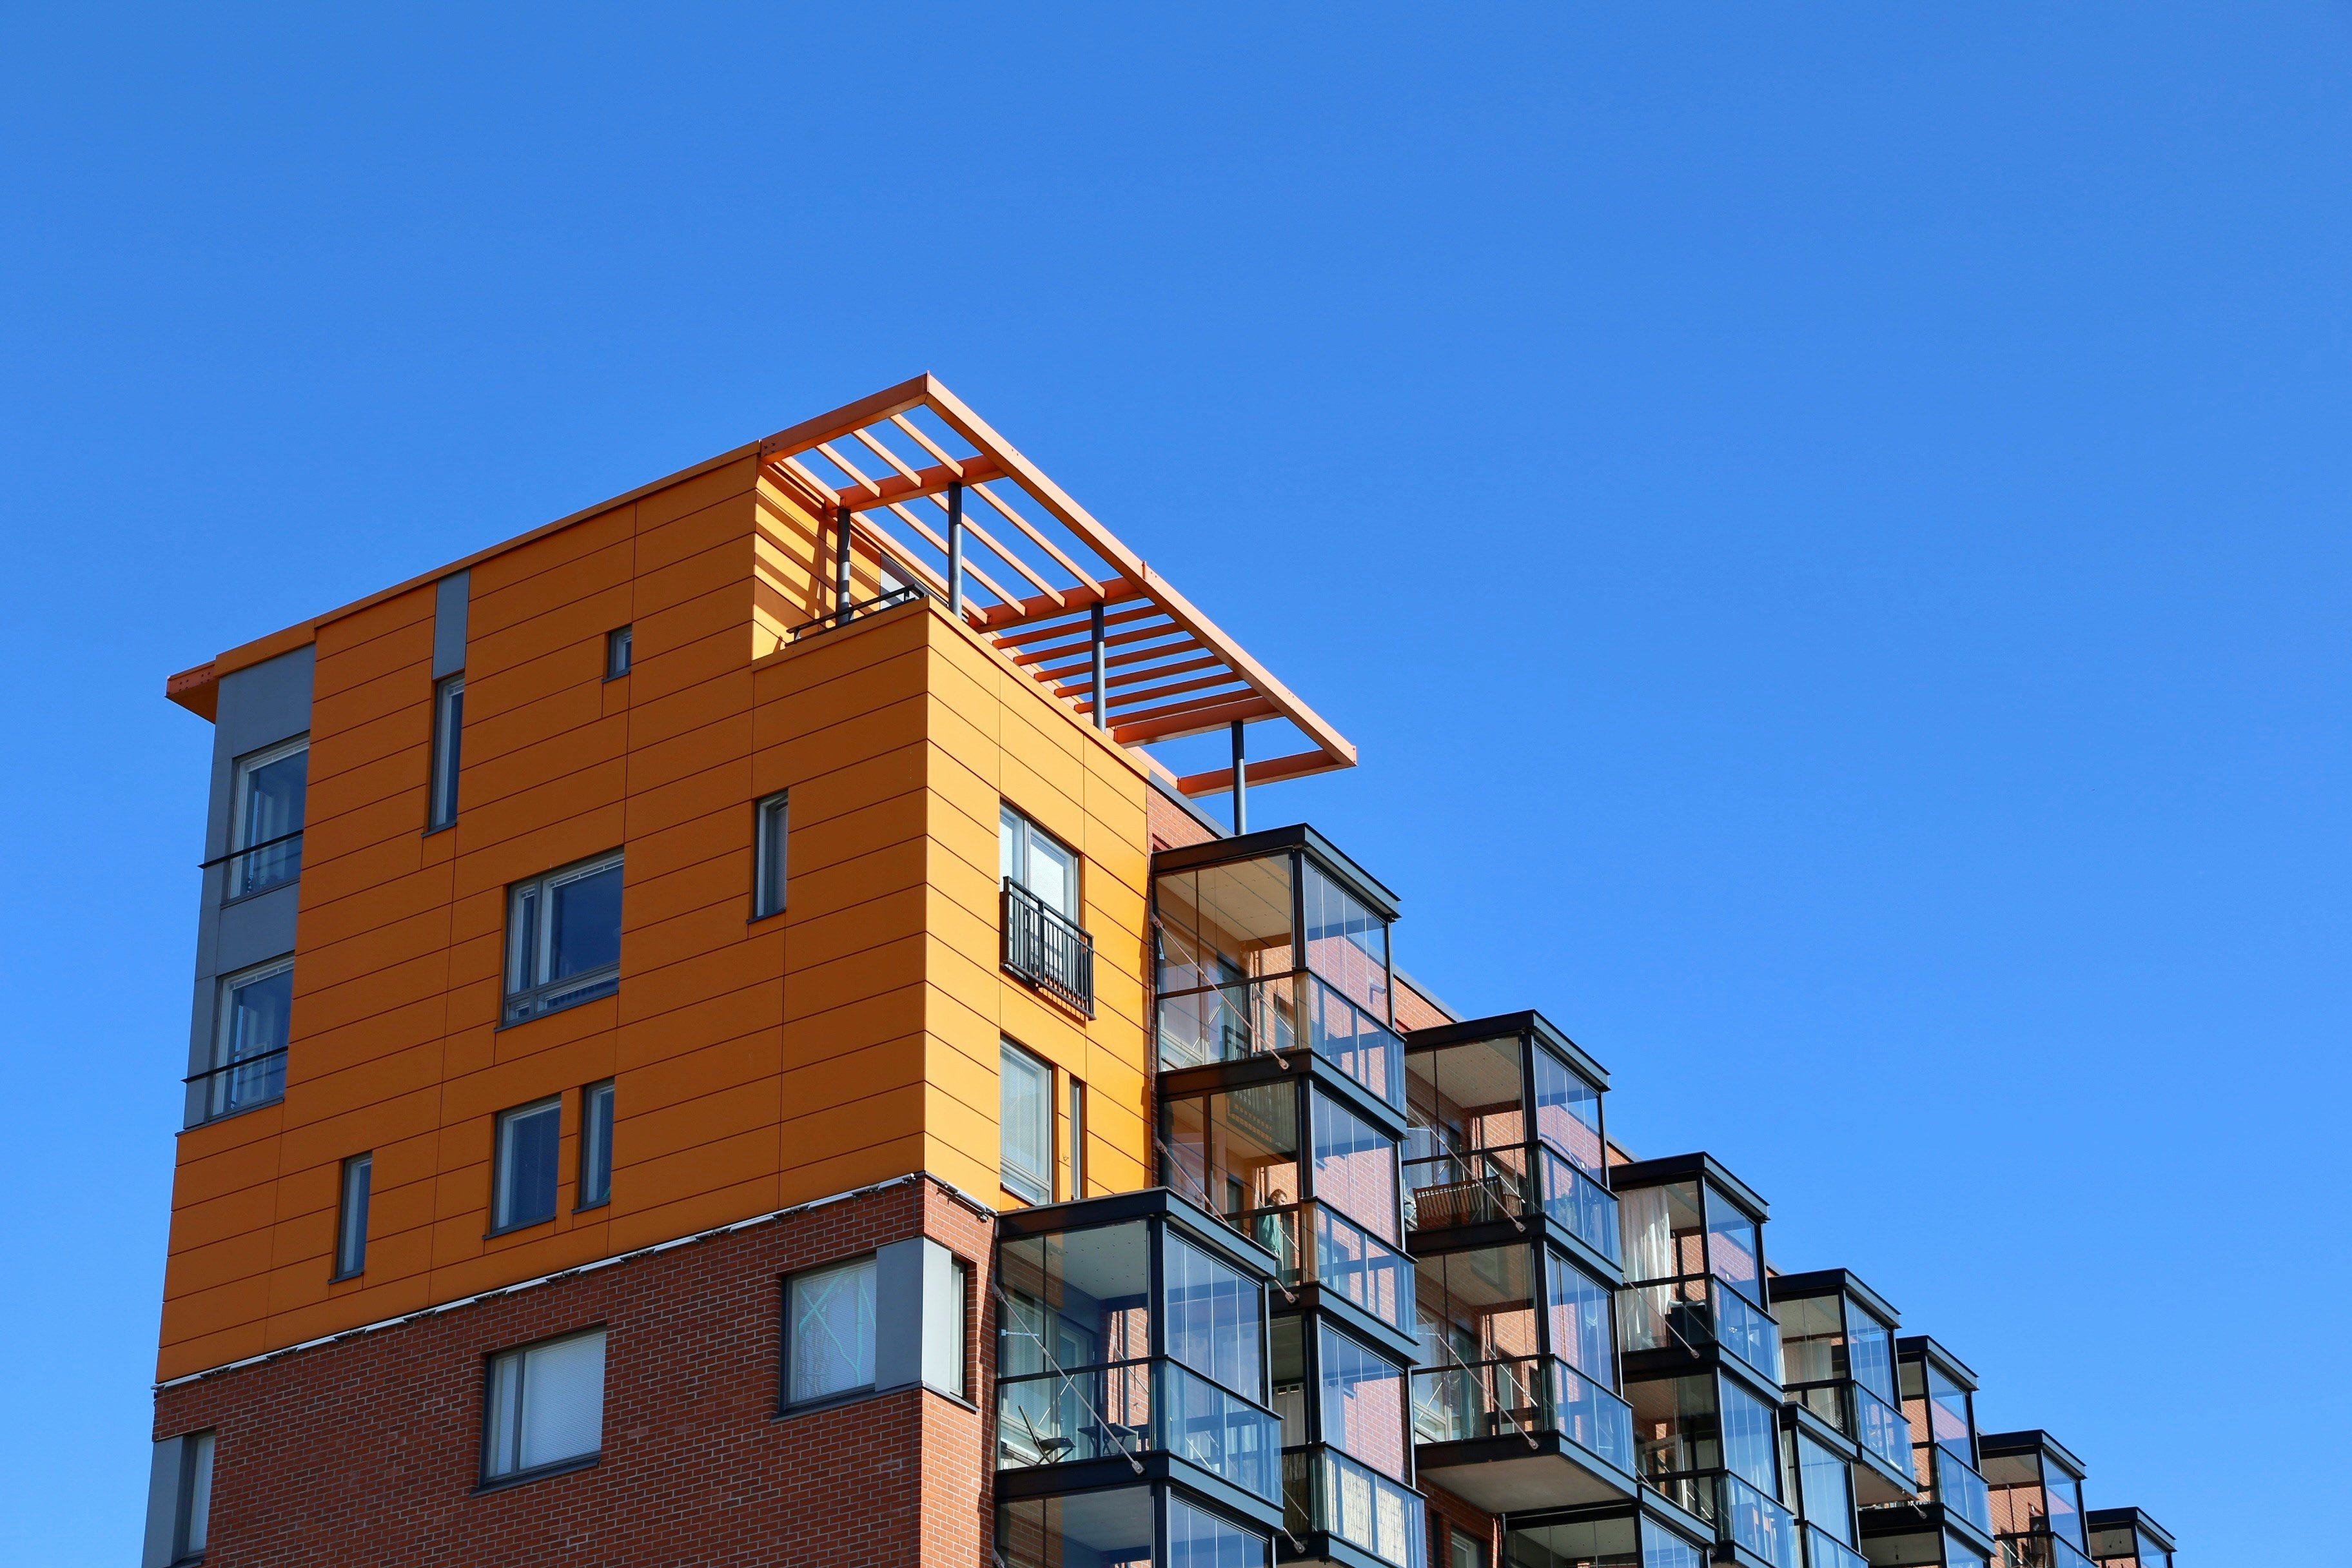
596 1145
524 1177
1027 1085
617 653
768 829
546 1407
947 1325
266 819
829 1332
351 1216
254 1021
1078 1139
193 1525
448 730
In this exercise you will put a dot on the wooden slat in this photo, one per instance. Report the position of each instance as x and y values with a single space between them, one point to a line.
1114 591
884 404
1173 689
1272 770
971 571
909 487
1061 672
1039 540
1080 627
1141 729
1116 639
1082 684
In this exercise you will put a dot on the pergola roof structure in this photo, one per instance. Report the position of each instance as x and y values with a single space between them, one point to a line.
1035 565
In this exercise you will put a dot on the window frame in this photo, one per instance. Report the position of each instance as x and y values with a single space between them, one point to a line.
1077 1099
522 1002
220 1062
789 1405
448 753
357 1180
240 846
498 1481
1012 1051
771 860
501 1180
620 651
1012 820
593 1187
193 1506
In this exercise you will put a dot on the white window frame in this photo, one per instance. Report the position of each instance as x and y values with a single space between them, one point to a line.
448 749
595 1184
219 1083
620 651
192 1515
1017 834
1034 1187
847 1271
771 838
241 844
502 1179
351 1215
529 994
507 1405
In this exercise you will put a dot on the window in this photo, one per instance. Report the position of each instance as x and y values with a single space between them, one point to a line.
524 1173
448 730
1028 855
1027 1086
192 1519
266 819
546 1407
351 1216
768 822
563 938
596 1145
249 1039
1078 1139
617 653
1465 1551
829 1332
947 1317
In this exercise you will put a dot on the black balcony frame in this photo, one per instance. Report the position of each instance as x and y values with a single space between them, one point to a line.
1047 948
1851 1292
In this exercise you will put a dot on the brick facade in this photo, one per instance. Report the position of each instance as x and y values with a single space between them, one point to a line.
368 1449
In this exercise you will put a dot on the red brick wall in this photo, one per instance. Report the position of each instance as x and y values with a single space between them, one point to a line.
1448 1513
368 1451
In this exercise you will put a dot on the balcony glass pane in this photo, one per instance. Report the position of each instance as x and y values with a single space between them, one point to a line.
1219 1431
1092 1530
1870 1353
1882 1430
1757 1523
1676 1430
1951 1422
1064 1416
1355 1167
1750 1438
1734 1246
1664 1236
1475 1306
1223 924
1661 1548
1235 1021
1580 1333
1198 1539
1362 1404
1825 1551
1746 1328
1961 1489
1465 1097
1568 1111
1234 1153
1355 1040
1328 1491
1347 944
1583 1205
1585 1413
1216 1318
1812 1339
1584 1543
1351 1262
1959 1553
1827 1490
1075 1299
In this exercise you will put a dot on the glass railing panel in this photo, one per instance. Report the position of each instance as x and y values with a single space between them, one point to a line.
1591 1417
1354 1041
1881 1429
1575 1200
1825 1551
1961 1489
1325 1490
1354 1263
1223 1433
1694 1311
2040 1549
1062 1417
1227 1022
1474 1188
1479 1399
2067 1555
1759 1523
1746 1330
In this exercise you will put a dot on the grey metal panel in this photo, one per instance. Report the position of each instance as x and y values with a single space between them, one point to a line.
162 1504
253 929
449 600
258 706
898 1314
944 1305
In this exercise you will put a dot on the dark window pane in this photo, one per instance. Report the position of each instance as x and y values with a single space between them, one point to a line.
586 932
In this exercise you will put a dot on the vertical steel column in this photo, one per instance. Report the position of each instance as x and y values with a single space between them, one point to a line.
841 569
955 549
1102 673
1241 786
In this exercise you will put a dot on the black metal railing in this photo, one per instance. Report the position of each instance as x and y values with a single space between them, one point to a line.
260 866
239 1084
848 613
1044 947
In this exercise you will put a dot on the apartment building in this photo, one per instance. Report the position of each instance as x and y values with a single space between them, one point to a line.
717 1037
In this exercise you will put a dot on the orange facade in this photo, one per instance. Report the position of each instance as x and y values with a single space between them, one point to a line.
758 1064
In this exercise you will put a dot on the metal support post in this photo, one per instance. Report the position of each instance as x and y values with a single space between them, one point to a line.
1241 786
841 570
955 549
1102 674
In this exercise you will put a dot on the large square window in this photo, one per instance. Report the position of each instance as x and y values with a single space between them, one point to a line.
829 1332
1035 858
524 1177
1027 1101
563 938
546 1407
265 819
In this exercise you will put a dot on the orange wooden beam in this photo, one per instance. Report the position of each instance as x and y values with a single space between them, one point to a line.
1299 764
922 482
1192 718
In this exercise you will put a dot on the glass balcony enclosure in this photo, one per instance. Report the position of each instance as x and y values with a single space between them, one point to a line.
1333 1220
1160 1524
1346 1444
1938 1391
2034 1488
1694 1266
1710 1445
1625 1538
1270 943
1504 1124
2127 1537
1837 1346
1514 1400
1132 1345
1817 1475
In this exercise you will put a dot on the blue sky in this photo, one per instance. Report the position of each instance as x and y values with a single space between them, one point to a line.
1826 523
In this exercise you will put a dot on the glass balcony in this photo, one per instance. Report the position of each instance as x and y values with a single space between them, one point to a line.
1757 1523
1697 1310
1961 1489
1525 1395
1257 1017
1139 1526
1131 1408
1578 1203
1482 1185
1324 1489
1823 1550
1879 1427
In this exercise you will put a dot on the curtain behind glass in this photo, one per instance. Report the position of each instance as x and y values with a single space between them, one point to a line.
1649 1233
